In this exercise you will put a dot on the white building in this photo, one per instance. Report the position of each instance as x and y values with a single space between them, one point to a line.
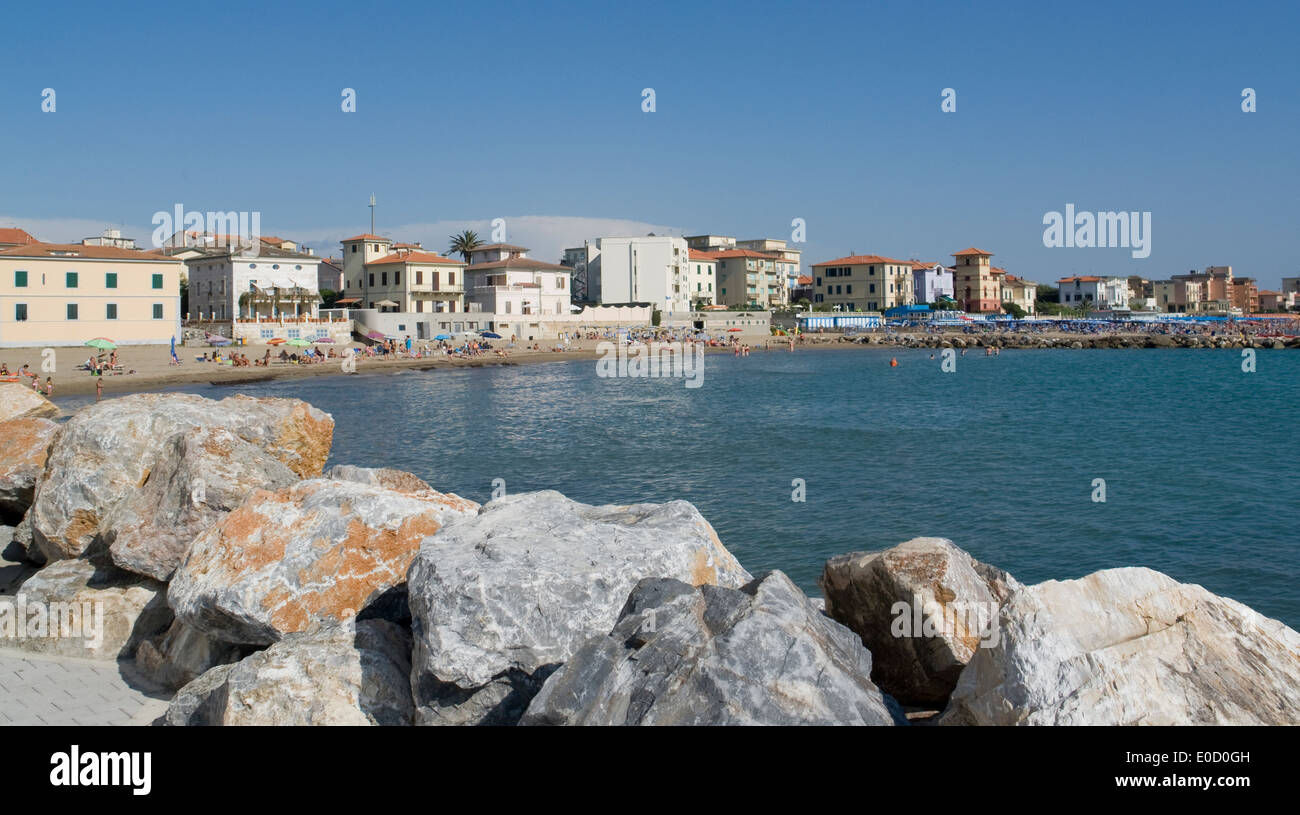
1103 292
651 269
702 277
225 284
110 237
501 279
930 281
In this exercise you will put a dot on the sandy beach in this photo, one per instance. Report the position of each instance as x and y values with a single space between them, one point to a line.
148 368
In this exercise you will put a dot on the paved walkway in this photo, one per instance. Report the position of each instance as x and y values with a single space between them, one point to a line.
41 690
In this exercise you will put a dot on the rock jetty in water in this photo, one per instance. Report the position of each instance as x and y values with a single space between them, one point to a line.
231 567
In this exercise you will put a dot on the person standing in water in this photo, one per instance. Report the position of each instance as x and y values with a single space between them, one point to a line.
99 388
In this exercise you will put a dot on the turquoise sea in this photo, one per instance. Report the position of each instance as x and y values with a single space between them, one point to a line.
1198 457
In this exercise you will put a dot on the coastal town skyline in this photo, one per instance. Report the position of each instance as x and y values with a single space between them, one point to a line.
863 151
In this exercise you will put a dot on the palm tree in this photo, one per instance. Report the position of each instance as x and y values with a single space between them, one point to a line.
464 243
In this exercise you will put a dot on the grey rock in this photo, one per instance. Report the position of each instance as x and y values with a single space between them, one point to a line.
685 655
398 480
89 609
319 551
106 451
499 598
182 654
200 475
1130 646
350 673
923 608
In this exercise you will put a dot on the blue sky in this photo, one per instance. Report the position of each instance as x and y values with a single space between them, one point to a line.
765 112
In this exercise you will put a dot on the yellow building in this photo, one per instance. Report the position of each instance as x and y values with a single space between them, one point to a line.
65 294
863 283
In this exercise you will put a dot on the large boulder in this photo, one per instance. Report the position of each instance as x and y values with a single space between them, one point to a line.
182 654
316 552
1130 646
353 673
686 655
18 401
14 566
922 608
398 480
107 451
84 608
199 476
26 444
498 600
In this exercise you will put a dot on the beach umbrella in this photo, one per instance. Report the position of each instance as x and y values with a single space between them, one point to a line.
218 341
103 343
490 335
375 335
443 337
298 341
733 329
323 339
275 341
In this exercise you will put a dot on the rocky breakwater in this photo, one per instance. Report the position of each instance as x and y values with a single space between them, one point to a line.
268 592
1078 341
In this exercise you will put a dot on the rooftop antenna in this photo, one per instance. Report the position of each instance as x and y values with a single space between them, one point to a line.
372 213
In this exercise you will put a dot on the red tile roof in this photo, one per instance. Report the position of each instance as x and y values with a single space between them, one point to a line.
700 254
1081 279
58 250
971 251
858 260
805 280
16 235
518 263
415 257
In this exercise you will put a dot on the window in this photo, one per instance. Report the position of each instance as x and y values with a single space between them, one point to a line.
110 311
419 277
20 312
72 311
71 280
372 278
354 248
419 304
20 280
383 278
268 333
397 278
435 281
157 281
158 311
110 280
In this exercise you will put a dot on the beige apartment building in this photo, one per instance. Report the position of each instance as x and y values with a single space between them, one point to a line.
863 283
749 278
1023 293
65 294
385 276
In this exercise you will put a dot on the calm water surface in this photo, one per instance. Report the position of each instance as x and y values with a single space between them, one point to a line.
1199 458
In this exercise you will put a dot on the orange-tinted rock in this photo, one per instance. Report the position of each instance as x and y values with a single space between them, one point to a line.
26 444
316 552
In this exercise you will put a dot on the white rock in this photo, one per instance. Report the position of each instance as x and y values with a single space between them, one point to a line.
1130 646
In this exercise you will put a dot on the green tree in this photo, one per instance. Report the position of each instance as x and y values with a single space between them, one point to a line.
464 243
656 317
328 296
1014 310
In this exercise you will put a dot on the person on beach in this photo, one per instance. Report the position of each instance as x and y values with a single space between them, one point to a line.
49 387
99 388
